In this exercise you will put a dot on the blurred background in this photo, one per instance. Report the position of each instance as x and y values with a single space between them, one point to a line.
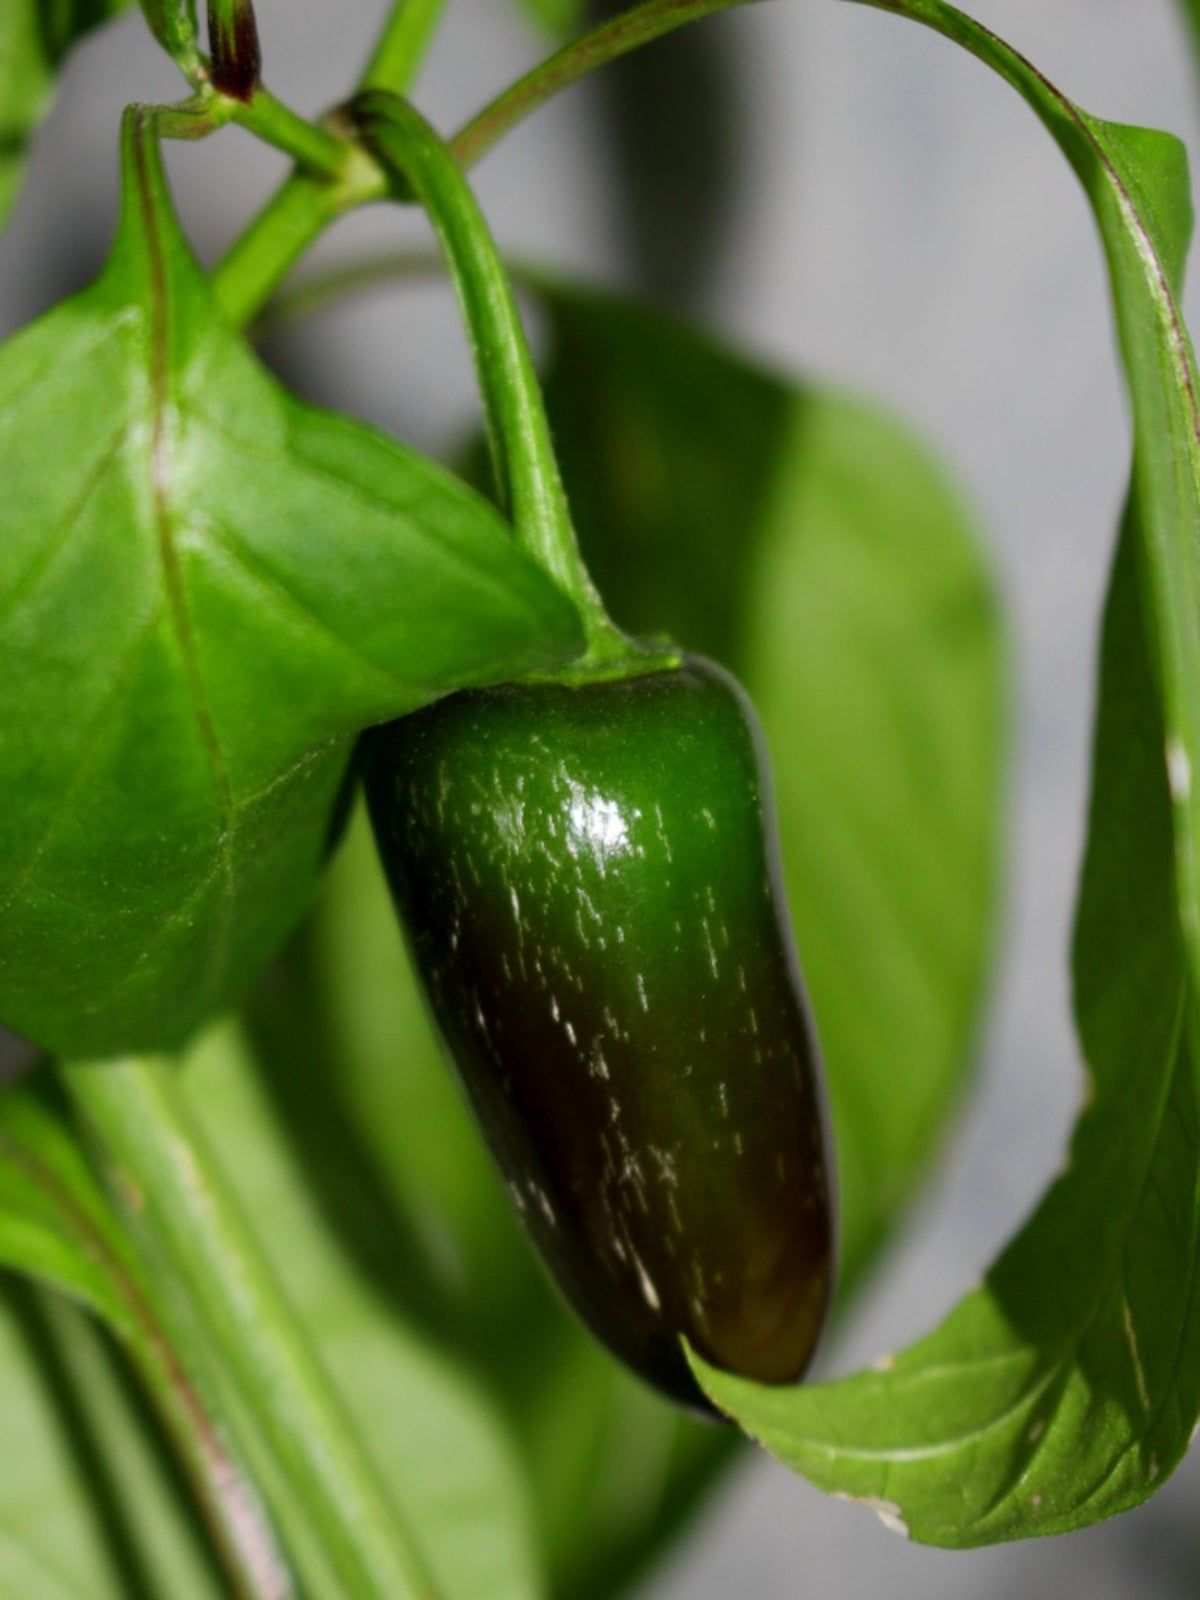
851 198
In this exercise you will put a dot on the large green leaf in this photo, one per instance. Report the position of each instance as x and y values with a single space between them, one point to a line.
432 1431
813 546
35 35
1064 1388
206 590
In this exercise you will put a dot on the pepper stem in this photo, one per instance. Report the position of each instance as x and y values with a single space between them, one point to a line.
523 459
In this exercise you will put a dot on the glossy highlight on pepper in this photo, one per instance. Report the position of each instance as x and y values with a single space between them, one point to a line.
588 882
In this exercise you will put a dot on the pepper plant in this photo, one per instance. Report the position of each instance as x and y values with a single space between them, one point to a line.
268 1325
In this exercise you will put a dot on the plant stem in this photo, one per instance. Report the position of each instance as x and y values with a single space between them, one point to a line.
297 214
174 1190
402 45
611 40
312 147
518 430
303 207
301 211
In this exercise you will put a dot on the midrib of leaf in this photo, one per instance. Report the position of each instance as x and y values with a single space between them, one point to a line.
161 401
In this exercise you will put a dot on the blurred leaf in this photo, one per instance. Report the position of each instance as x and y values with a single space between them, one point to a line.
90 1506
87 1511
813 546
56 1224
206 590
432 1432
59 1227
1065 1388
35 36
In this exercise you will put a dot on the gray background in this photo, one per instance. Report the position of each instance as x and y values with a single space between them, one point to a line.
902 225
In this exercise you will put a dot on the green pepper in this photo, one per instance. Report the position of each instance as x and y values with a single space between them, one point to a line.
587 876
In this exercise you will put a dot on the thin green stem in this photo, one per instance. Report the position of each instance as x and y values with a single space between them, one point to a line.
258 262
312 147
295 217
518 430
624 33
402 45
178 1196
303 207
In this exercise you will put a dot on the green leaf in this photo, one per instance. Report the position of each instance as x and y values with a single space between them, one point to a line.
813 546
431 1430
35 36
56 1224
173 23
206 589
1064 1389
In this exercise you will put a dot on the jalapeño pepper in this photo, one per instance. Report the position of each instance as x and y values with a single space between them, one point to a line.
587 875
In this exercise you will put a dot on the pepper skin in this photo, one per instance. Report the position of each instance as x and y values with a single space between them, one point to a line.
588 880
